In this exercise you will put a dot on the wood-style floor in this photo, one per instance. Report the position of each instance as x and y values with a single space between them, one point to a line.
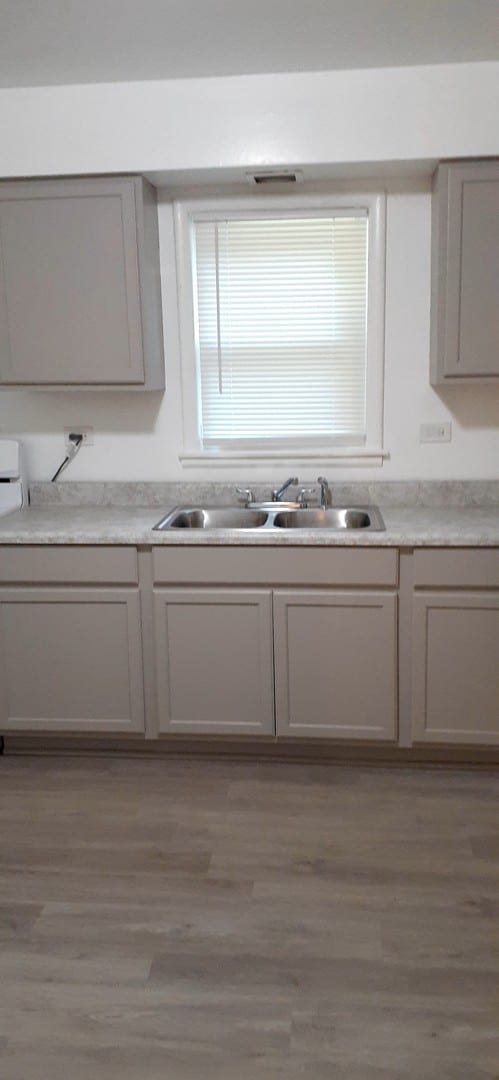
183 920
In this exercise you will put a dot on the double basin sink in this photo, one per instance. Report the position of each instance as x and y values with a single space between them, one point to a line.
273 516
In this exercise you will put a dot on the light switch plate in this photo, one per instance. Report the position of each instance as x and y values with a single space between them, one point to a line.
430 433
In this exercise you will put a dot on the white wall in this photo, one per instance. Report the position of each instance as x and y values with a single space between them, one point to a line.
138 436
391 114
319 119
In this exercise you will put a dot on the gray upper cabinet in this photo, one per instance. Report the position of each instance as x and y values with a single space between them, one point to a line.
80 297
465 273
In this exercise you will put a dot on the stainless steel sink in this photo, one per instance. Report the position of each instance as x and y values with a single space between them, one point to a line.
336 519
276 517
226 517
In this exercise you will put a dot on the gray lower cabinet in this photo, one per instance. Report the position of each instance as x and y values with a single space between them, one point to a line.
455 646
336 664
465 272
244 655
70 639
70 659
456 666
80 295
213 659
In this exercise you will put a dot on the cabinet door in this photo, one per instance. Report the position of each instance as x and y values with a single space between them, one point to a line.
336 663
70 300
456 667
465 272
214 660
70 660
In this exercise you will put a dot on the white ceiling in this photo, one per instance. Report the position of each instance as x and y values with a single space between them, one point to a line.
45 42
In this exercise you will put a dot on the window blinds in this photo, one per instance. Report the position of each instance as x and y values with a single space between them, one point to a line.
281 330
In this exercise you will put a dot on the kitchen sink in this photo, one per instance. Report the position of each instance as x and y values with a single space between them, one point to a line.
226 517
336 519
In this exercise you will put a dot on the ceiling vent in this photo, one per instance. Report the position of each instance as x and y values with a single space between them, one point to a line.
284 176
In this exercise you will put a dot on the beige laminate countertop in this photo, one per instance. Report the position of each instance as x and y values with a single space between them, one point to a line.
405 527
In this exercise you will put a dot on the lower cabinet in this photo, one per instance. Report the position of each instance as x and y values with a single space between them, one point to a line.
292 643
70 660
456 667
335 659
336 664
213 658
286 641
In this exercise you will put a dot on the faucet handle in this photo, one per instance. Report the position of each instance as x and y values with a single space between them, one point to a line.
302 495
246 494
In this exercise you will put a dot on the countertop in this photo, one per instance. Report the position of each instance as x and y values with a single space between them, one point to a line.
405 527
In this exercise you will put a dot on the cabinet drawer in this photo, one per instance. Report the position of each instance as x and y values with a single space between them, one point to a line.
453 568
66 565
276 566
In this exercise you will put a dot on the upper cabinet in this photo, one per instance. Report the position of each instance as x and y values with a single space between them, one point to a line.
465 273
80 295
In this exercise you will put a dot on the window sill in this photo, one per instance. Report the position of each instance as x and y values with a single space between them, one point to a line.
345 457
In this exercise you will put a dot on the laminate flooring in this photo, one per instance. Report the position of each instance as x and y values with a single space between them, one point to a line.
195 919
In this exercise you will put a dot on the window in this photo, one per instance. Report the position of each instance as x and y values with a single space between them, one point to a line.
282 328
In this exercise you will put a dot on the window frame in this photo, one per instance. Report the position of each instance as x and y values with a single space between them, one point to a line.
186 212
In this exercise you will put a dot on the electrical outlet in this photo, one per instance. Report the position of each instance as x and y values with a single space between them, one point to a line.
79 429
435 432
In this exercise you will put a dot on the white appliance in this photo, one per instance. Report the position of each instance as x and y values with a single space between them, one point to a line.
13 486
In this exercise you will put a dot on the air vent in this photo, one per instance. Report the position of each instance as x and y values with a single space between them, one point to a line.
283 177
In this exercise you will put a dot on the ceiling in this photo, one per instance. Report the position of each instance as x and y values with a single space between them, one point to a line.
47 42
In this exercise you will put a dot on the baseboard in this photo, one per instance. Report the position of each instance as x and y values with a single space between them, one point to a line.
306 750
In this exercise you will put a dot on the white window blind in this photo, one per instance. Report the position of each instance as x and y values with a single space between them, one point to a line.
281 313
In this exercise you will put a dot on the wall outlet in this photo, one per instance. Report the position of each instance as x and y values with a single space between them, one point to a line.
79 429
435 432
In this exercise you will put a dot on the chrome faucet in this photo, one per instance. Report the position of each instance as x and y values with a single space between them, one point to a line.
278 493
325 492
